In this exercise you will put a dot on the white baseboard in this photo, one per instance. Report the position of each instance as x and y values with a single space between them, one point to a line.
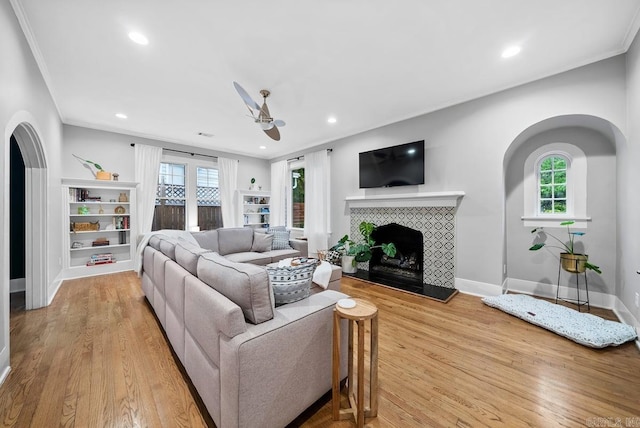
476 288
596 299
4 374
626 316
17 285
53 290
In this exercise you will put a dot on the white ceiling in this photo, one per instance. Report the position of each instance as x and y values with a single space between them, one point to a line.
366 62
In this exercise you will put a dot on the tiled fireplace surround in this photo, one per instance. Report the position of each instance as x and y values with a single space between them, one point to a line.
433 214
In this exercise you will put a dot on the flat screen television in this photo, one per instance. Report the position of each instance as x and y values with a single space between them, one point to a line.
401 165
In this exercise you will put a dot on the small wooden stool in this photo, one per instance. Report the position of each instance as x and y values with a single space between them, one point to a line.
364 310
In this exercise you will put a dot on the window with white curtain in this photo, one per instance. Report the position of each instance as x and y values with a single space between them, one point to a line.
171 198
188 195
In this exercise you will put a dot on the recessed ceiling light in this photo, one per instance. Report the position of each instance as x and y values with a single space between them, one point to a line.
511 51
263 147
332 120
121 115
139 38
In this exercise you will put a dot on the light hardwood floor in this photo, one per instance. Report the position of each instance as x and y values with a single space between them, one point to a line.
97 357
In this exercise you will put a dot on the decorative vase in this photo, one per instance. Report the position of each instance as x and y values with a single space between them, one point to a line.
349 264
574 263
123 197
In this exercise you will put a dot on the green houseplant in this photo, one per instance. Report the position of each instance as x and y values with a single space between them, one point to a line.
570 260
361 252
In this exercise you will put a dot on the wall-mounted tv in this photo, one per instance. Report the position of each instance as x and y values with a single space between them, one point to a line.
401 165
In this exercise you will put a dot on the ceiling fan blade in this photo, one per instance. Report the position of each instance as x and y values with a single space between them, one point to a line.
279 122
273 133
245 97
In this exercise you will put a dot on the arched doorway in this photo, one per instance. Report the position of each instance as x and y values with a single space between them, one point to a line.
35 168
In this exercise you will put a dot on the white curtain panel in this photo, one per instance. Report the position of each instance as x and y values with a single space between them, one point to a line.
228 176
316 201
279 188
147 164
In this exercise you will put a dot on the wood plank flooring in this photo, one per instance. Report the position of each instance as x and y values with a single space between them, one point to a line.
97 357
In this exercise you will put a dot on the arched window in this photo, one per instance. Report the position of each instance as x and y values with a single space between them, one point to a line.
552 184
555 186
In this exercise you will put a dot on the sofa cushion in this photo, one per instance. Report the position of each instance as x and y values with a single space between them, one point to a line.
207 239
154 242
234 240
280 239
291 283
168 246
187 255
277 255
250 257
244 284
261 242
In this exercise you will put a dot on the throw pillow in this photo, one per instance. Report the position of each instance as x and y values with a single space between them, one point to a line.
280 238
291 283
261 242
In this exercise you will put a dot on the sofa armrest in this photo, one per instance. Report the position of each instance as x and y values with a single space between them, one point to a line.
300 245
276 369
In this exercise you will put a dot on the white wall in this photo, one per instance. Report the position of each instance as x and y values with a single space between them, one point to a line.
465 147
600 238
628 194
24 97
114 153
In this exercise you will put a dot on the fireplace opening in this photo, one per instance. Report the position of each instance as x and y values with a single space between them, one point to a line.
407 265
404 271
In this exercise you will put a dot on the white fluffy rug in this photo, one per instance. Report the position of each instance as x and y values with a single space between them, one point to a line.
583 328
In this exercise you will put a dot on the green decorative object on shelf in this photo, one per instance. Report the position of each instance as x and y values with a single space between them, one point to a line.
83 209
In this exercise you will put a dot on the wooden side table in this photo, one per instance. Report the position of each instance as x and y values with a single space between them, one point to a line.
363 310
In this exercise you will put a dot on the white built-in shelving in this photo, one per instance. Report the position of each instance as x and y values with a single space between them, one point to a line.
98 212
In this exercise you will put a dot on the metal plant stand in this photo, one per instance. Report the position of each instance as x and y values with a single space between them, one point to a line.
579 303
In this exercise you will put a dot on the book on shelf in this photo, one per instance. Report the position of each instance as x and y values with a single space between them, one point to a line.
100 262
105 256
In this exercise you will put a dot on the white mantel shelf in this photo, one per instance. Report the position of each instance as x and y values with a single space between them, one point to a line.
427 199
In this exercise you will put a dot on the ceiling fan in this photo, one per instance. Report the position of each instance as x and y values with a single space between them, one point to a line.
261 115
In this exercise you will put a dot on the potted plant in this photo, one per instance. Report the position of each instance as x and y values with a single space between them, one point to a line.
353 252
100 173
570 260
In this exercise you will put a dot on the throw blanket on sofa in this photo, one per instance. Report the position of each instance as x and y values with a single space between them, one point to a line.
171 233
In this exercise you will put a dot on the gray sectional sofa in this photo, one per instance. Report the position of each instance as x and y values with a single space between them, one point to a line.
253 364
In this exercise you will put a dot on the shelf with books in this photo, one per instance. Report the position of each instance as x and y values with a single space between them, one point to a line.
100 216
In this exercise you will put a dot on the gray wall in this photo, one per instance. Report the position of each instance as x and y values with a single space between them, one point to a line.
628 194
600 240
465 148
114 153
24 98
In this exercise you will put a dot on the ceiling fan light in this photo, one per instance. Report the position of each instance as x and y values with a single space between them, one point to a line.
266 125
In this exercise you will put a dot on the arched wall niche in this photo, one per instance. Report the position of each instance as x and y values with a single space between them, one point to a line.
536 272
